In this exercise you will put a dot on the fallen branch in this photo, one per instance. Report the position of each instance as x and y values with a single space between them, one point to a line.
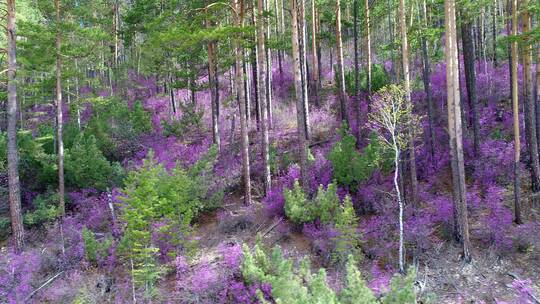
273 226
515 277
43 285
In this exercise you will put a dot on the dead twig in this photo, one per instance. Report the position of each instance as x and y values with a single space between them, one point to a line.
43 285
515 277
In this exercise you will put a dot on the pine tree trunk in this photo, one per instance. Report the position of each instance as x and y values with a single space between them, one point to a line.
426 71
239 79
470 78
269 75
494 31
17 228
263 94
214 92
461 225
368 52
59 117
302 33
515 106
530 111
300 102
407 88
315 57
342 93
356 70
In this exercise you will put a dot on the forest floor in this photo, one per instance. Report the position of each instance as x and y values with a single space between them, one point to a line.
442 275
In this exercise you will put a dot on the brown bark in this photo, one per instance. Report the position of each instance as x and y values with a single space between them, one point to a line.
426 70
239 79
342 93
300 102
59 117
407 89
213 81
461 225
315 59
530 111
368 50
263 93
470 77
515 107
17 228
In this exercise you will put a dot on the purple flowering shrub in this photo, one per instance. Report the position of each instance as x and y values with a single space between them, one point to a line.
18 275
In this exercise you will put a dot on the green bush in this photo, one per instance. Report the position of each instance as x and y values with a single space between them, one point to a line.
401 289
347 242
45 210
355 290
297 206
352 167
86 166
5 228
94 249
152 194
379 79
190 121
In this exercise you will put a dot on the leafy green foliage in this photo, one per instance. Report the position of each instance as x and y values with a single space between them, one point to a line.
351 167
86 166
297 206
355 291
45 210
174 199
191 121
348 239
297 285
401 289
379 79
93 248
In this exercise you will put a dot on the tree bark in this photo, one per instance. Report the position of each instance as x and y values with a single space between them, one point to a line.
263 93
315 57
300 102
368 52
302 33
239 79
59 117
528 95
214 92
356 69
426 71
407 89
470 78
342 93
515 106
17 228
461 225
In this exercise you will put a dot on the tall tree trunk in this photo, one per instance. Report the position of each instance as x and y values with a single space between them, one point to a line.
515 106
407 88
17 228
356 69
239 79
214 92
426 71
302 33
315 57
470 77
59 118
528 95
494 31
342 93
263 94
368 51
538 98
269 68
300 102
461 224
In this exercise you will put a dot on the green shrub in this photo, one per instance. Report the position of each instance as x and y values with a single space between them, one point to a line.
351 167
401 289
152 194
45 210
379 79
297 206
326 203
190 121
94 249
86 166
5 228
355 290
347 242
